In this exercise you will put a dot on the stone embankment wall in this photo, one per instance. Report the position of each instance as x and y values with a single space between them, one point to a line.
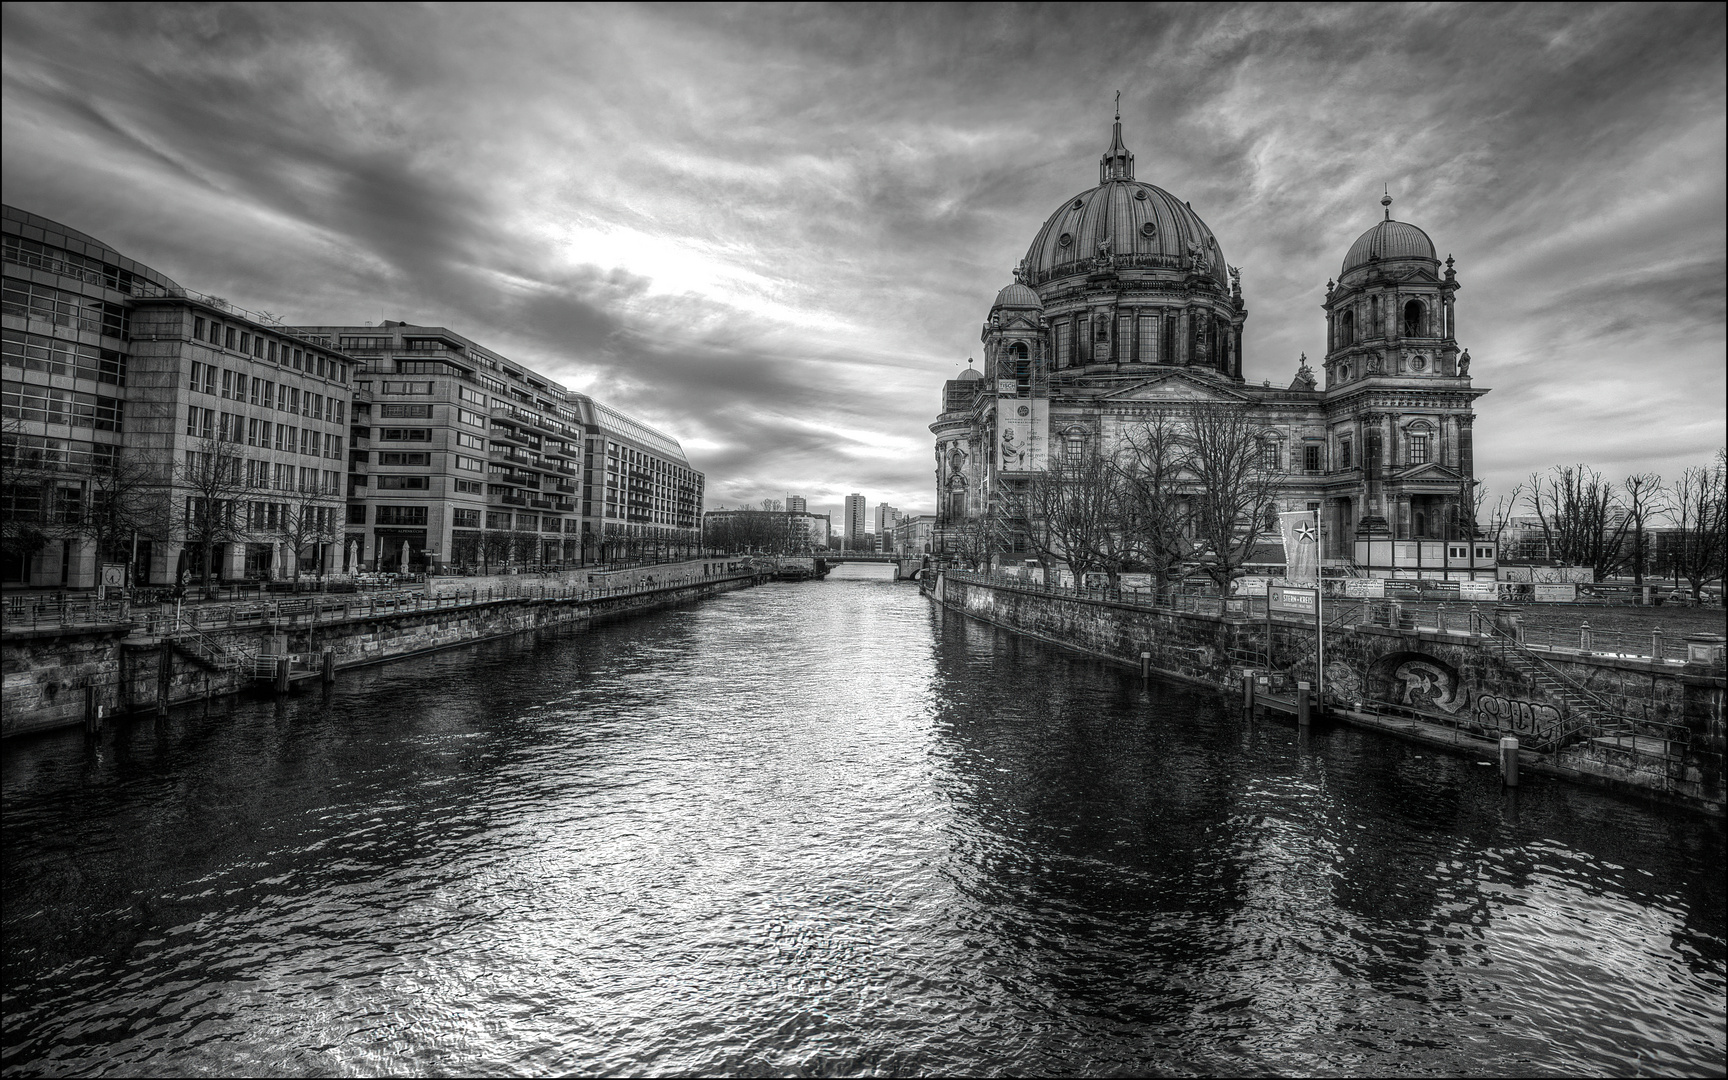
1458 679
56 677
633 577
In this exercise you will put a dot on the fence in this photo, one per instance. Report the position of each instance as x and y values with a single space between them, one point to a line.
58 609
1461 618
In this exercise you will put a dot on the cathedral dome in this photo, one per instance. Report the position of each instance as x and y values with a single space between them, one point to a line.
1145 226
1389 240
1017 296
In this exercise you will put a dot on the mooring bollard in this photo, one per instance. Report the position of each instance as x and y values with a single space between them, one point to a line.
1248 692
329 666
283 664
92 714
1302 710
1509 760
1146 665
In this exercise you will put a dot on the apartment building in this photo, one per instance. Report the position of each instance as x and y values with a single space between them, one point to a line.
461 457
216 431
852 524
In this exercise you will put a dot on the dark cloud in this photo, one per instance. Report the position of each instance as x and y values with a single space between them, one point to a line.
773 232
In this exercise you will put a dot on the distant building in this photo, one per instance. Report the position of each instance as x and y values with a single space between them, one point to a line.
795 504
790 532
227 427
886 518
463 457
914 535
853 523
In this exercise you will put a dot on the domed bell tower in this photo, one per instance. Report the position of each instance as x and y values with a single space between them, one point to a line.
1398 393
1017 355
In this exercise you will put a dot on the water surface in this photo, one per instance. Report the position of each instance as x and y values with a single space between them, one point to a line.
825 828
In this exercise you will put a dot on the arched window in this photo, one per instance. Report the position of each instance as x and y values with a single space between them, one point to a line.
1413 319
1022 358
1347 329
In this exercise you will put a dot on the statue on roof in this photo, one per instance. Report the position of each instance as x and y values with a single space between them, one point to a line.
1304 379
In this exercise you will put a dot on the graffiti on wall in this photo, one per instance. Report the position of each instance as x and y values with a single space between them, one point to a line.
1428 684
1509 716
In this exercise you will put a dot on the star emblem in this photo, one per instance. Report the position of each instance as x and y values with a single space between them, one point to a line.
1305 533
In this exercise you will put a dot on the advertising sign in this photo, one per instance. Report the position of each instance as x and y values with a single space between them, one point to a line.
1478 590
1555 594
1249 586
1365 588
1293 601
1439 590
1402 590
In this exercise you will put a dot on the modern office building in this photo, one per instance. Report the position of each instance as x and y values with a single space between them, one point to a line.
157 424
886 518
852 528
461 457
795 504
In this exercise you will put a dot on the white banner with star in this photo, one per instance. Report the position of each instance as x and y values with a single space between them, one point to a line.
1301 547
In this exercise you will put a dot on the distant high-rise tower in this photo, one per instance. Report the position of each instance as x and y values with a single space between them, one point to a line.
854 527
795 504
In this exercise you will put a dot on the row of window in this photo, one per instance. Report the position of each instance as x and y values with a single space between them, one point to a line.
278 475
202 378
33 352
307 522
56 260
18 451
240 340
21 401
27 299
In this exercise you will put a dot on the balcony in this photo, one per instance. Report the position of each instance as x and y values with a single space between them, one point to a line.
496 499
566 486
539 502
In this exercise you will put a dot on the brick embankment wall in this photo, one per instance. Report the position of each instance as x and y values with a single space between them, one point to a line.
1465 684
47 671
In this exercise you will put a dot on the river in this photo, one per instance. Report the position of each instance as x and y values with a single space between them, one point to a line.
825 828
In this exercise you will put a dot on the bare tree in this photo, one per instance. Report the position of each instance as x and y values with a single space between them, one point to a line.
1072 512
1644 499
1494 522
494 549
1156 498
214 481
1581 518
27 496
1699 511
309 521
1234 485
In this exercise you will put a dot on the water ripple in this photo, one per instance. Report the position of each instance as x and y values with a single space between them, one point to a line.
825 829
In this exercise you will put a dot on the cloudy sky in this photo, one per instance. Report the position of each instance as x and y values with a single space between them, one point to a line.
774 232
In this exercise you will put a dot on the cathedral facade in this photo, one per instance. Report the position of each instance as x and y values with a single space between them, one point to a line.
1124 309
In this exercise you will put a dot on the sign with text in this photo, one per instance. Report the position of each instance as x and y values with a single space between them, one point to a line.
1365 588
1555 594
1293 601
1479 590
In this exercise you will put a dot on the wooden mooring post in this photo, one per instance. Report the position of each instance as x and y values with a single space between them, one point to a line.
164 675
284 664
1304 710
329 667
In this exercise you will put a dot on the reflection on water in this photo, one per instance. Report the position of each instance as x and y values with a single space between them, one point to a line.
826 828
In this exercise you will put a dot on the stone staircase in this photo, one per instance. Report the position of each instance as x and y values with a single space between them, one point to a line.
1588 715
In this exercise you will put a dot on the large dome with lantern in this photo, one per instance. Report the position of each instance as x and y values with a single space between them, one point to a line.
1140 226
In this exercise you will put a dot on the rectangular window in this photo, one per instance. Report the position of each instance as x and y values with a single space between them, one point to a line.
357 514
309 442
407 412
403 483
291 399
1124 335
1418 449
228 336
400 515
389 387
258 347
285 438
473 397
469 487
469 463
472 442
470 418
1269 455
497 520
271 355
396 434
245 342
340 408
1344 461
1311 458
1146 345
400 457
465 519
198 327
